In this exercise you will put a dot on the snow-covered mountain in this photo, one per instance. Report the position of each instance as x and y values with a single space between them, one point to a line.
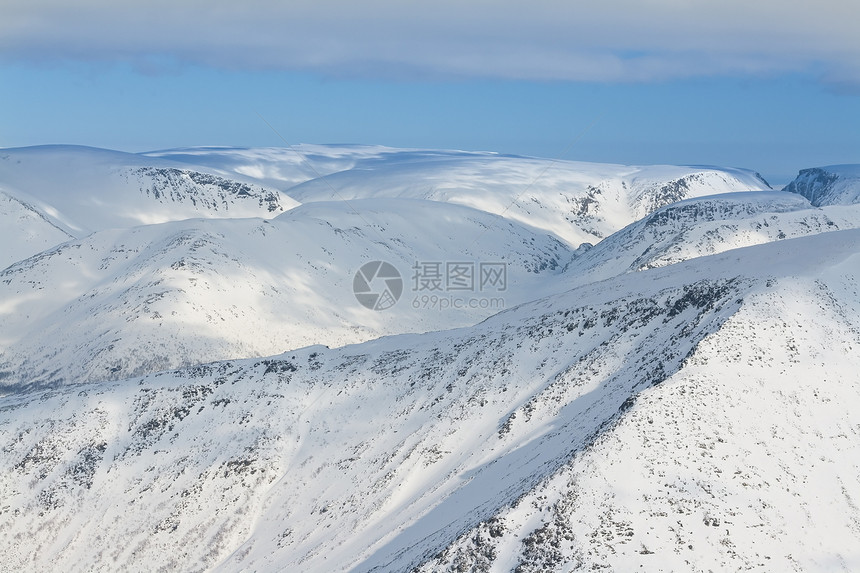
578 202
668 379
704 226
701 415
746 458
120 303
80 190
84 189
25 230
128 300
832 185
285 167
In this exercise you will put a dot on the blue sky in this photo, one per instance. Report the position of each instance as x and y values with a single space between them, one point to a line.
768 87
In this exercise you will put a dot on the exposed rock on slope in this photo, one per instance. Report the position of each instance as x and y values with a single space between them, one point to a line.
746 458
83 189
578 202
128 302
645 407
833 185
379 456
705 226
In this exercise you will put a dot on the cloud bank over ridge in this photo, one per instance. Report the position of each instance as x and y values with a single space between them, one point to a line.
615 40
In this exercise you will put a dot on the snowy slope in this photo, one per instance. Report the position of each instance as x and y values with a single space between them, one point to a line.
164 296
705 226
578 202
725 388
25 230
575 200
126 302
282 167
832 185
747 458
86 189
673 411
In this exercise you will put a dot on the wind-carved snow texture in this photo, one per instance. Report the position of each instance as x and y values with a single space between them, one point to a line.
671 398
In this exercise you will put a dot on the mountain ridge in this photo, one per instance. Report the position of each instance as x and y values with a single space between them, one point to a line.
669 311
831 185
683 394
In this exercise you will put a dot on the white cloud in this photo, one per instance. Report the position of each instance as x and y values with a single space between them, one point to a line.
614 40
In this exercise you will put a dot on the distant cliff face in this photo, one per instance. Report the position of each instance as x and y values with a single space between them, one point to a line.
834 185
209 191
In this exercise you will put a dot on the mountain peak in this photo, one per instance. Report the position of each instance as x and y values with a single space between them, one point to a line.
831 185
